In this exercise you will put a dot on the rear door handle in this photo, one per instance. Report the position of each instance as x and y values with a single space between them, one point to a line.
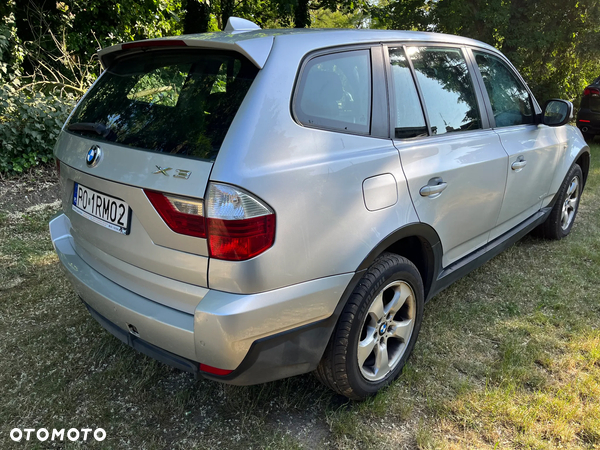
434 188
519 164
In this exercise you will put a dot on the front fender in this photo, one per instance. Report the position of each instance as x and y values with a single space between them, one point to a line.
575 146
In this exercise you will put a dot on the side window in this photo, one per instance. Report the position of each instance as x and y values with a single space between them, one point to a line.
510 100
335 92
410 121
447 89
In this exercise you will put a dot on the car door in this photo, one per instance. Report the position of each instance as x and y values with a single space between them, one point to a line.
533 150
454 163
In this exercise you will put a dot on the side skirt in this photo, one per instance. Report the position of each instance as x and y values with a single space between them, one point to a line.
464 266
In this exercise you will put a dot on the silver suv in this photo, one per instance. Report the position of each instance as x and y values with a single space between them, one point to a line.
255 204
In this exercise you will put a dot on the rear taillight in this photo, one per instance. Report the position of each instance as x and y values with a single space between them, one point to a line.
591 91
237 225
182 215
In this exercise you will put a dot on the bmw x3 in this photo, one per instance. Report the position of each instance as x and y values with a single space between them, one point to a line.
255 204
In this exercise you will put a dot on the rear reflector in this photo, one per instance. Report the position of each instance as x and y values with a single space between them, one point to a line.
183 215
214 370
583 120
161 43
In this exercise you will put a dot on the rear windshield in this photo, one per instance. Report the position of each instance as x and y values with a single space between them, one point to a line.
179 102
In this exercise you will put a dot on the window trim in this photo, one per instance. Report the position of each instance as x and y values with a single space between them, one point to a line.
378 96
392 92
537 110
480 99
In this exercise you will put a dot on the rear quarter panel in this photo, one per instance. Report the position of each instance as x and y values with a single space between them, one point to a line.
312 179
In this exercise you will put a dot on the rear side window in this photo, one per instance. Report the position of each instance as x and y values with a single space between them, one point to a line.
447 89
179 102
334 92
511 103
410 121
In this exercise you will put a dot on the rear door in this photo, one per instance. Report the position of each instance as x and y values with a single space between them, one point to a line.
153 122
454 163
533 150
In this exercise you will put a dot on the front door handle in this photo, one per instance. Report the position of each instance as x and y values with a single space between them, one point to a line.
519 164
434 188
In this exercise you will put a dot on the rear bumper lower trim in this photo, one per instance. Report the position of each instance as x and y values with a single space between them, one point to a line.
142 346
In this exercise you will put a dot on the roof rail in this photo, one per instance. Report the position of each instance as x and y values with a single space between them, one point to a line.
239 24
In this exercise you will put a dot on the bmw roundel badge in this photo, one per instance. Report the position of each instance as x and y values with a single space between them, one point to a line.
93 156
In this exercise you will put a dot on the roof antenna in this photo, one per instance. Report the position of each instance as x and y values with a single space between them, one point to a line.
239 24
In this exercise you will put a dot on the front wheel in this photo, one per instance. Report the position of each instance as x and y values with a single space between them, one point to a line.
376 331
561 218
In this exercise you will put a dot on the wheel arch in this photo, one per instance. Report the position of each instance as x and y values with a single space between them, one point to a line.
583 160
419 243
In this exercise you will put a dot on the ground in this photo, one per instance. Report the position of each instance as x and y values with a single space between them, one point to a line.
508 357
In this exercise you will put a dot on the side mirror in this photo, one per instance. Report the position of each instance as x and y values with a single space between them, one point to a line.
557 112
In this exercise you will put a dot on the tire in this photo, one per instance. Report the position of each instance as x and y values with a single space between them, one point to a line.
383 316
560 221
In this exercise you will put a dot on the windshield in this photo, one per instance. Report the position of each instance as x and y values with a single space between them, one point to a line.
180 102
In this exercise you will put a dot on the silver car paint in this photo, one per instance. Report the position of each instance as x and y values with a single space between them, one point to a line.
160 325
226 325
314 180
526 187
151 244
572 140
218 332
254 46
474 166
380 191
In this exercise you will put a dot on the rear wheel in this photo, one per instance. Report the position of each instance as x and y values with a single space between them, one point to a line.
376 331
561 218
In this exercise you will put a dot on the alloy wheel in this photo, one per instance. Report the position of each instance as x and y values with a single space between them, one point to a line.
386 330
570 204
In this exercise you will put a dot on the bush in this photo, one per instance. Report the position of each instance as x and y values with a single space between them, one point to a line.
29 126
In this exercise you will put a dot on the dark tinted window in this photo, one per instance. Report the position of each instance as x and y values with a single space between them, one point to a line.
335 92
410 121
447 89
178 102
510 100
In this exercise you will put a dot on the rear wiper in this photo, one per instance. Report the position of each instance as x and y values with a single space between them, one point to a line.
97 128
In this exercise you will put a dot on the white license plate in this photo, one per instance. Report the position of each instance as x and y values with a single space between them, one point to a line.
103 209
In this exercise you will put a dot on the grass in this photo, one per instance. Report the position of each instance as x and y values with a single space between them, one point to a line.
508 357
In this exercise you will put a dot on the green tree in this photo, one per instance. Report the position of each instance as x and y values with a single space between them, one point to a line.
553 43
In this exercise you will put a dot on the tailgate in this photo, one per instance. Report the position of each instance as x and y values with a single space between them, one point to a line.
155 121
123 174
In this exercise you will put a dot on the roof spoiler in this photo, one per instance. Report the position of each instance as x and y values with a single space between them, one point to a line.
256 49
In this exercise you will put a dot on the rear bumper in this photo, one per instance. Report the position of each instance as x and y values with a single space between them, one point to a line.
260 337
588 121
